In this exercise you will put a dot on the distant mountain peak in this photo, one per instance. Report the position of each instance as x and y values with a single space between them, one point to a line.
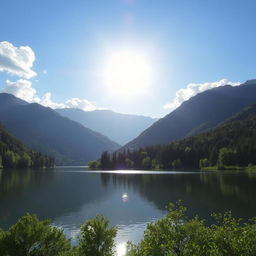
45 130
118 127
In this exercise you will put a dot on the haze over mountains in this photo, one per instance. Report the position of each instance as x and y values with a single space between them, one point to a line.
120 128
199 114
72 143
43 129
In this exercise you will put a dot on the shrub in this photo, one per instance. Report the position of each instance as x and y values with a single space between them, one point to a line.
32 237
97 238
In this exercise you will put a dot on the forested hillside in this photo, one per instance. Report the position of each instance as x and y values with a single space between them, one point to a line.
14 154
43 129
200 113
233 143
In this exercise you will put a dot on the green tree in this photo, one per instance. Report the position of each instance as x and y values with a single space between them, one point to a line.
176 164
226 156
178 235
24 161
1 162
32 237
232 237
97 238
105 160
155 164
204 163
144 154
93 165
9 159
147 163
2 234
129 163
174 235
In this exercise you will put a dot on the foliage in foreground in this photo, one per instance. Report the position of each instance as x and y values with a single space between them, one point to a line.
174 235
96 238
178 235
32 237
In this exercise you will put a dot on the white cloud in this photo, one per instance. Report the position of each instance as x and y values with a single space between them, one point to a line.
23 89
46 101
17 60
85 105
194 88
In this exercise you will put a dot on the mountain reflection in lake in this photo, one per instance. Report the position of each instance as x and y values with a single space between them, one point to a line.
70 196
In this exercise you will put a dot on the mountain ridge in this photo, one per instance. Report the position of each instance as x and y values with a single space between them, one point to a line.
43 129
116 126
204 111
232 143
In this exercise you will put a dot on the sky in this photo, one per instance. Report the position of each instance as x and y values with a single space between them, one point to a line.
63 53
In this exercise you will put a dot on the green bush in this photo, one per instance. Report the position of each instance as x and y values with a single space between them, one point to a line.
147 163
32 237
174 235
94 165
97 238
178 235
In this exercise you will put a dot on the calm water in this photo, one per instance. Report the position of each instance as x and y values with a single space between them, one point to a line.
69 196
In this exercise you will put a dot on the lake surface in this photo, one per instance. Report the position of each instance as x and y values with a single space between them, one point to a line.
72 195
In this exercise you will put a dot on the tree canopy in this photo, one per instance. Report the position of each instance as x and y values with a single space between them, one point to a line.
176 234
233 143
13 154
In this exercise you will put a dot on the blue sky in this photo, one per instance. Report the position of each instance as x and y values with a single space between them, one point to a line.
186 42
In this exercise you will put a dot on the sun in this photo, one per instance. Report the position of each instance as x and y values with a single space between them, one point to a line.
127 72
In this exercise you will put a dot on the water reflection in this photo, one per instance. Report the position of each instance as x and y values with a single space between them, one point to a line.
70 196
125 197
202 192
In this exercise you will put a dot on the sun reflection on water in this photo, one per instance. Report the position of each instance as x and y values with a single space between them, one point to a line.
125 197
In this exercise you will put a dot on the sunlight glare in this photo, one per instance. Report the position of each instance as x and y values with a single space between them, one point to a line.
127 72
121 249
125 197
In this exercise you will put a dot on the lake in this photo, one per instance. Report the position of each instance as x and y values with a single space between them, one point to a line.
71 195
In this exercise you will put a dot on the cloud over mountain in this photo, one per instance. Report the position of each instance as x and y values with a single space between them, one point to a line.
194 88
19 61
46 101
22 89
85 105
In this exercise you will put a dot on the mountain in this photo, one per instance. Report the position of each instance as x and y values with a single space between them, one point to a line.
121 128
243 115
45 130
232 143
199 114
14 154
